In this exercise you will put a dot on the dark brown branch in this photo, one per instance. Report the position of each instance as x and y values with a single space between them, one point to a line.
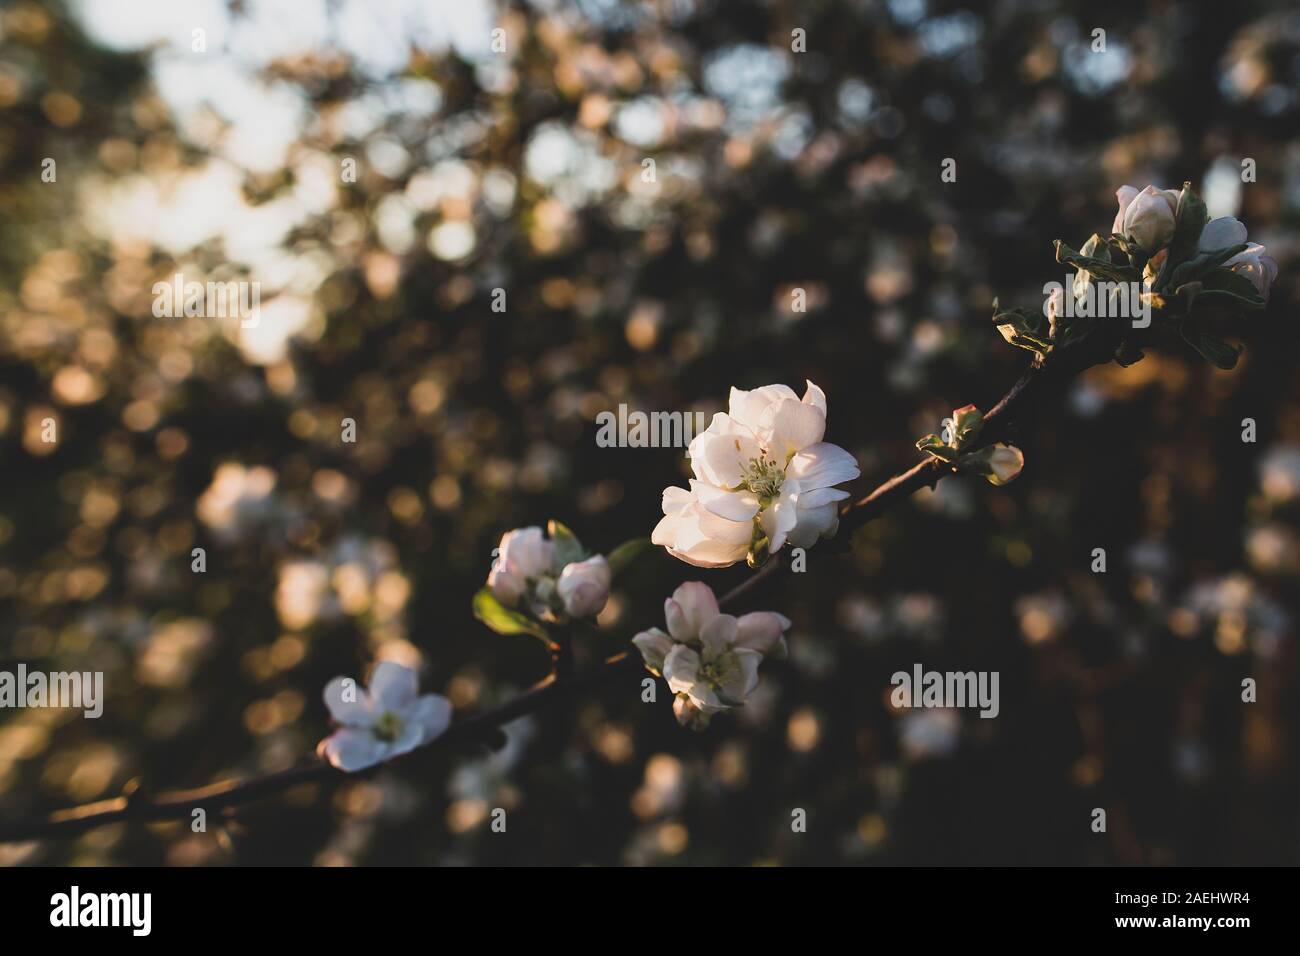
180 804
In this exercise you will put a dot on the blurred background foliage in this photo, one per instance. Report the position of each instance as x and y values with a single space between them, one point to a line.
523 171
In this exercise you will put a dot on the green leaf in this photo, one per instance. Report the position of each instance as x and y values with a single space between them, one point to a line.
1212 348
627 552
1024 328
967 422
1096 266
1202 263
505 620
1189 220
568 548
1230 291
1094 248
934 445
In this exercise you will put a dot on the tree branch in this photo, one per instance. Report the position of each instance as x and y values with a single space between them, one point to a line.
138 806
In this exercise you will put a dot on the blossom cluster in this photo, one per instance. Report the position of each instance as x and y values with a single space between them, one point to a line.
763 476
709 659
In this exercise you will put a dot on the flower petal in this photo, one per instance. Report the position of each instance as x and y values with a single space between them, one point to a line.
352 750
717 636
720 454
822 465
1226 231
761 631
692 606
794 426
431 714
732 505
814 396
737 675
654 646
357 712
681 669
750 407
393 686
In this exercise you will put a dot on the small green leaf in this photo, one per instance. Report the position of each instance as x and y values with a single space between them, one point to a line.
1216 351
568 548
505 620
1096 266
625 554
1202 263
1094 248
967 422
934 445
1024 328
1189 220
1229 290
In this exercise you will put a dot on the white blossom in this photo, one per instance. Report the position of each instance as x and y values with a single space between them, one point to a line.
583 586
709 659
1252 263
1147 217
530 570
383 722
763 477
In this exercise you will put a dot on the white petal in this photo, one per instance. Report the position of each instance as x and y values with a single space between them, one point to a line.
1125 196
720 454
717 636
675 499
819 497
813 524
526 551
692 606
822 465
705 699
507 586
654 646
761 631
1006 462
431 714
794 426
584 586
700 537
393 686
355 713
352 750
681 669
732 505
1218 233
750 407
738 675
814 396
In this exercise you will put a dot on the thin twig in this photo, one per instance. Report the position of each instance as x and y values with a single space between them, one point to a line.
140 806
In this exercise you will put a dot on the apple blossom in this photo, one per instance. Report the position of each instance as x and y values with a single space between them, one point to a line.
383 722
1005 463
552 577
583 586
524 555
763 476
709 659
1251 263
1146 217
